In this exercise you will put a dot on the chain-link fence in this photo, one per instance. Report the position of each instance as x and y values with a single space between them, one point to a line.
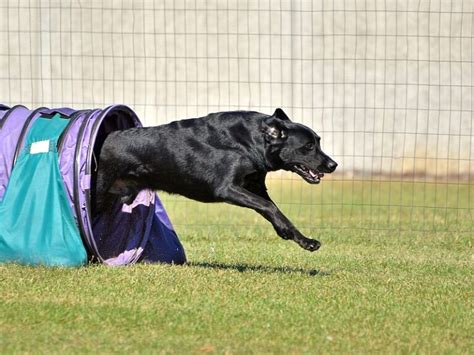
387 84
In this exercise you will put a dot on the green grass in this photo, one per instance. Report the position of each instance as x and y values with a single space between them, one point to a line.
375 286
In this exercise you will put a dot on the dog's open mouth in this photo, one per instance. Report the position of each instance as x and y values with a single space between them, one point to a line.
310 175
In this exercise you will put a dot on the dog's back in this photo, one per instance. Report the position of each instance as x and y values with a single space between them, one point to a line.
189 157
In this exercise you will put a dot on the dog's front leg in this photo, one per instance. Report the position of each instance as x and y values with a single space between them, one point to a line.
240 196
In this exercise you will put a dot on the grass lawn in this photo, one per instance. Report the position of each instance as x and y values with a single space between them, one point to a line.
395 274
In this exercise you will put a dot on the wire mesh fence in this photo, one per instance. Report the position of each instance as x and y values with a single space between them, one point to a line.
387 84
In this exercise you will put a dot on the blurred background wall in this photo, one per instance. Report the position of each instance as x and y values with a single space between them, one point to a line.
388 84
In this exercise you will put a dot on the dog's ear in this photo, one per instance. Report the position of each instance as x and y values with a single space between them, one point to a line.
273 130
280 114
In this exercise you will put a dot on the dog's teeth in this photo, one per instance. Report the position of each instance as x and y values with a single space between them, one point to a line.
313 174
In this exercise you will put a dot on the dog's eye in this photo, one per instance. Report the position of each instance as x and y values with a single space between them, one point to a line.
309 146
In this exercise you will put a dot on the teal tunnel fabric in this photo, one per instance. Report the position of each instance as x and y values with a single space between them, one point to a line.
37 226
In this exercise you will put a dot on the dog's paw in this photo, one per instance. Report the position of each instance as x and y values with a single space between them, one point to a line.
128 199
310 244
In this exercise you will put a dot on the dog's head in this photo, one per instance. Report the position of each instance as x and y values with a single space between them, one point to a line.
295 147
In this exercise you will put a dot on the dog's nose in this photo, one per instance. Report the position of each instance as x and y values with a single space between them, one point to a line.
332 165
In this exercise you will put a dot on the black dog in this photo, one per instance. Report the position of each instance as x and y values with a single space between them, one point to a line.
223 157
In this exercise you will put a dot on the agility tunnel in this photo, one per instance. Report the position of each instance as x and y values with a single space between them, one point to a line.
48 161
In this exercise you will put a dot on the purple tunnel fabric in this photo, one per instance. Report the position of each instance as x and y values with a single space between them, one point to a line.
132 233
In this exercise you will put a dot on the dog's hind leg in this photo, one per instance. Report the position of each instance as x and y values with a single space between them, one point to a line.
285 229
106 177
99 194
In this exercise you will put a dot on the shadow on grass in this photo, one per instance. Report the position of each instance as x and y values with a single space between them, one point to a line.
259 268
